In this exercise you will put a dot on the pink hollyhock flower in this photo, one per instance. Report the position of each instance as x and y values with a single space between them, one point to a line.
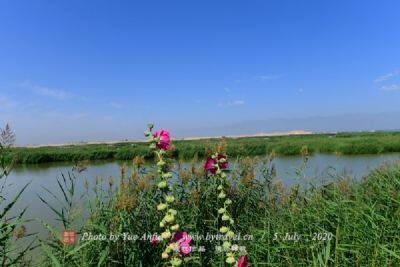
183 239
164 139
154 240
210 162
223 165
185 248
209 165
242 262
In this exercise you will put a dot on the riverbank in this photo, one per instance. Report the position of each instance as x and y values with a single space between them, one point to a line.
340 143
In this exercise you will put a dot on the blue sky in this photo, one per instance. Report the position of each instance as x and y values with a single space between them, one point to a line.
100 70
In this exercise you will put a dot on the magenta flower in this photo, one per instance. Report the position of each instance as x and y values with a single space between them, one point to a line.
163 139
154 240
210 163
183 239
185 248
242 262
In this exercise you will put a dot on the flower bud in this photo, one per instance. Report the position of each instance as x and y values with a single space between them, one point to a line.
221 195
226 244
174 227
224 229
172 211
176 262
230 234
147 133
162 206
228 201
167 175
225 217
162 224
169 218
166 235
220 187
221 210
169 198
230 260
164 255
161 163
162 184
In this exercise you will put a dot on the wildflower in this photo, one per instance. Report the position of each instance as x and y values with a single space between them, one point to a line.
169 198
163 138
183 239
185 248
216 163
242 262
154 240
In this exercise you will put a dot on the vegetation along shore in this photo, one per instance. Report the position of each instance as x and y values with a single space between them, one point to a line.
340 143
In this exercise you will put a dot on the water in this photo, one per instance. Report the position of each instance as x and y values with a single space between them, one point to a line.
320 168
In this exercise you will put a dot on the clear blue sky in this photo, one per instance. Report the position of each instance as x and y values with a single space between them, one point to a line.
87 70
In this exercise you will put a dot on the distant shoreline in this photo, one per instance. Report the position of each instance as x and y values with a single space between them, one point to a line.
283 144
293 132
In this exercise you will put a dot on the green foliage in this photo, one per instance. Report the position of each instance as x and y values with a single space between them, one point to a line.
341 143
11 225
353 223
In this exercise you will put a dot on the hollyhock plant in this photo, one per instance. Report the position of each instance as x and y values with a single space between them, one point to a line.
163 138
242 262
217 165
177 243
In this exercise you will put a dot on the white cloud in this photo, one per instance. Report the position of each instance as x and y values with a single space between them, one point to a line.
392 87
387 76
47 92
232 103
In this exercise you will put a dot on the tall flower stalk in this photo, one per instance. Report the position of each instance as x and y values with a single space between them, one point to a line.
177 243
217 166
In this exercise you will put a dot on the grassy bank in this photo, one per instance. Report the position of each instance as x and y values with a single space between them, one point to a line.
342 143
343 223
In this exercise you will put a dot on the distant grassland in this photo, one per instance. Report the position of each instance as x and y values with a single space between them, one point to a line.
341 143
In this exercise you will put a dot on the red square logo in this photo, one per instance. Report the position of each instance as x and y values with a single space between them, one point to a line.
69 237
